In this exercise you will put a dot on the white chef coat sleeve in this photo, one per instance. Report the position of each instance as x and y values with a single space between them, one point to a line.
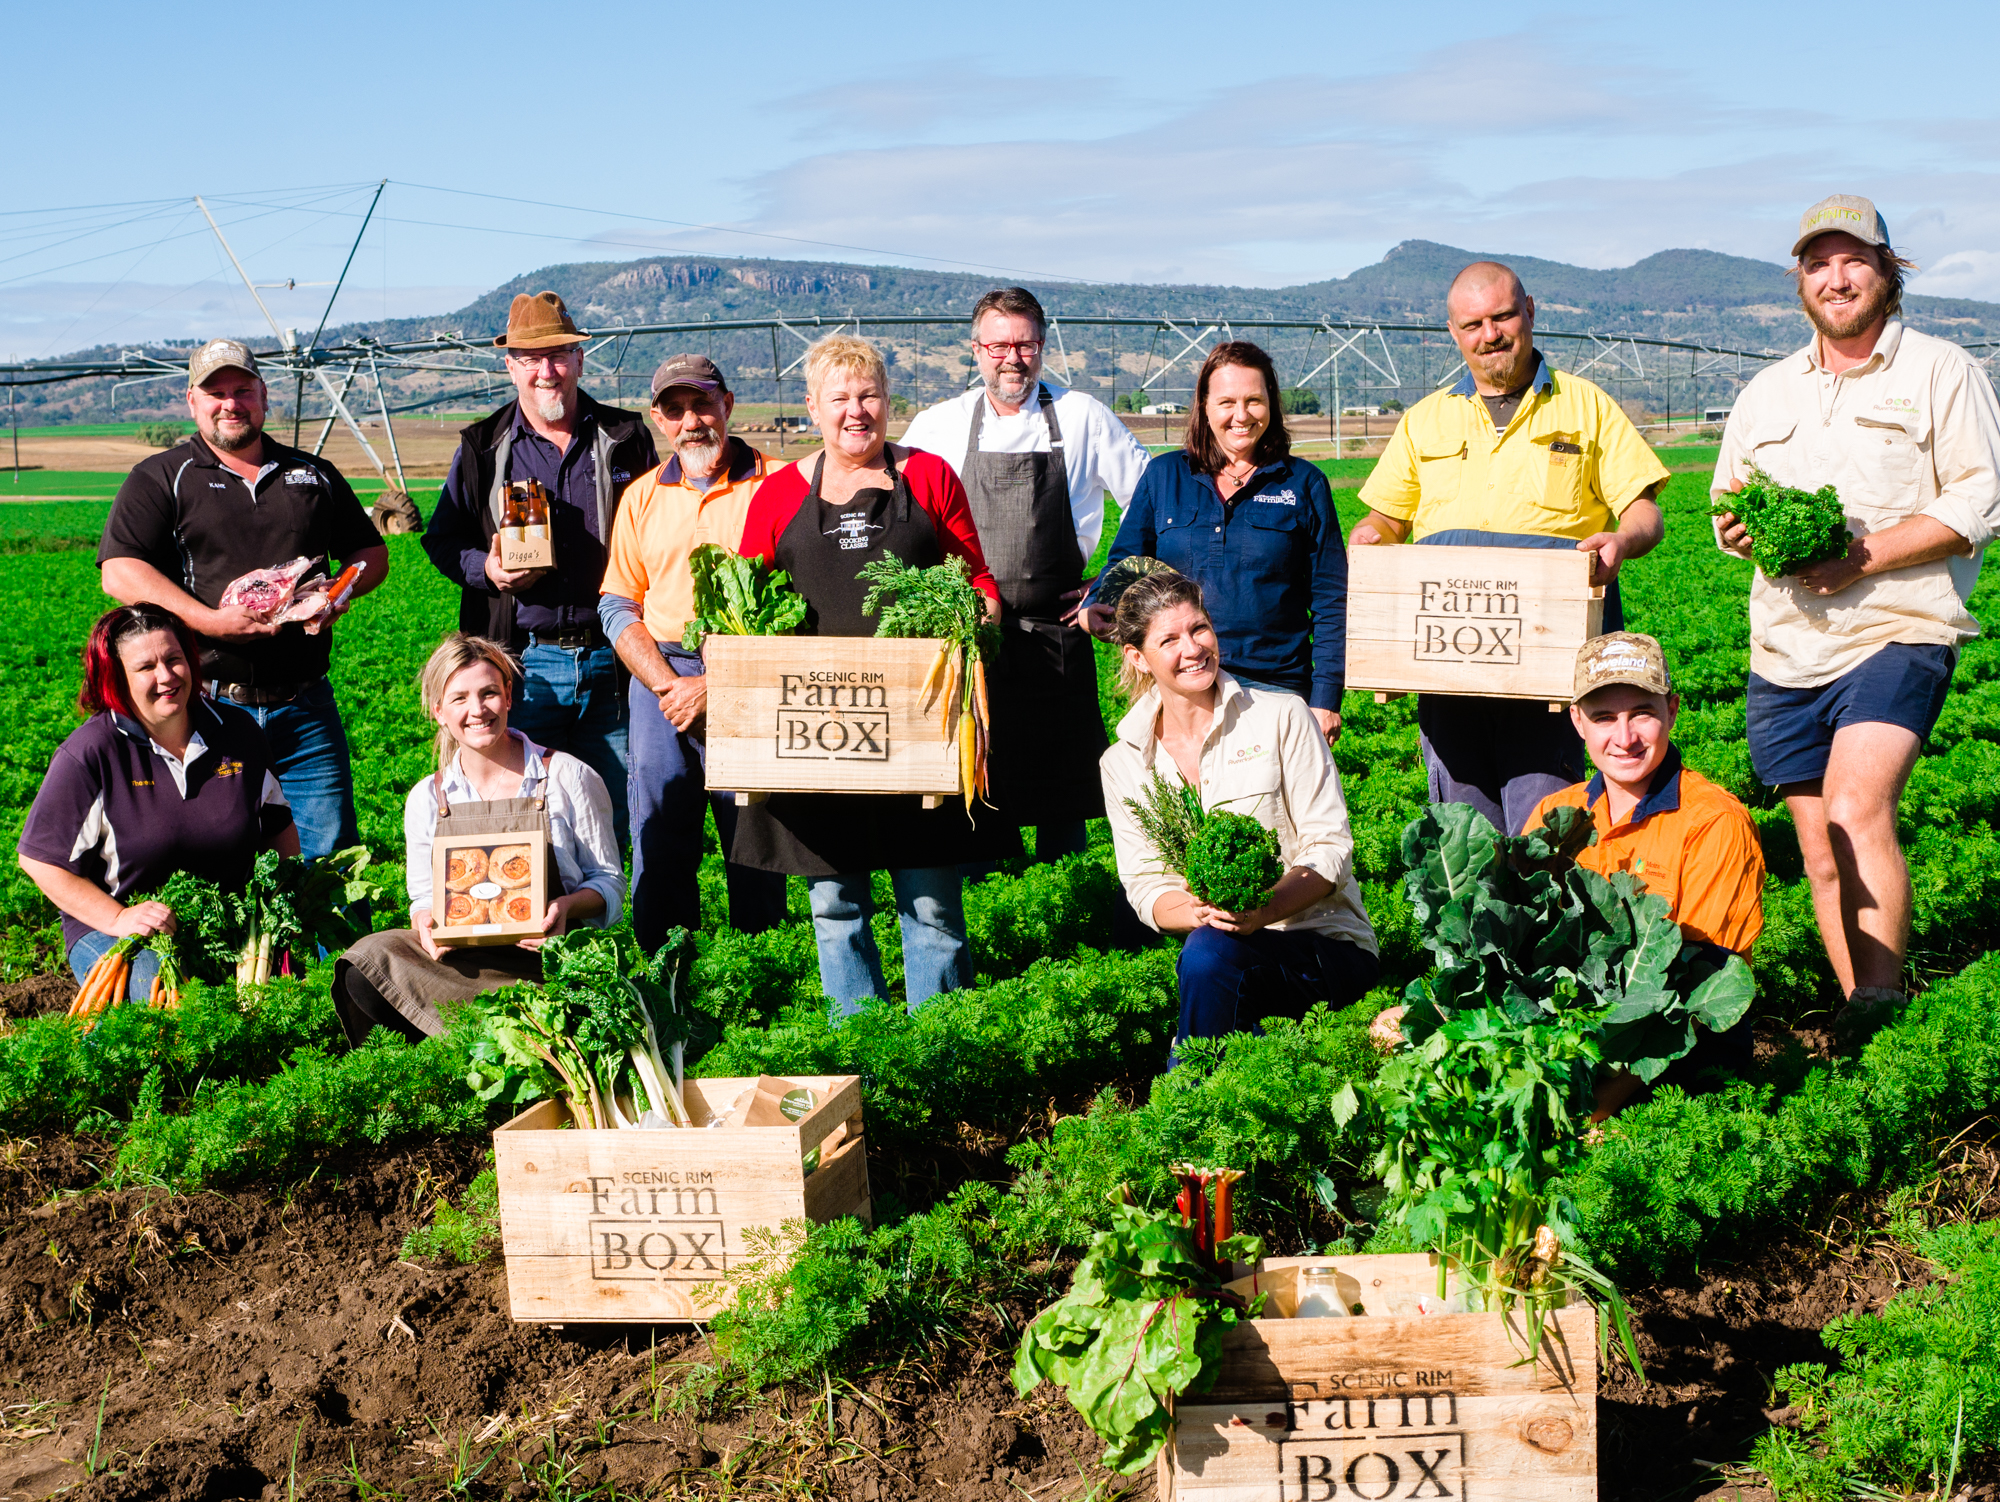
944 430
1115 459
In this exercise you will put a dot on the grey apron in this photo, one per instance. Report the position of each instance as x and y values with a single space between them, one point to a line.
1048 729
421 988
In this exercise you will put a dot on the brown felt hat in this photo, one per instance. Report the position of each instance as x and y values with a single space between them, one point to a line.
539 322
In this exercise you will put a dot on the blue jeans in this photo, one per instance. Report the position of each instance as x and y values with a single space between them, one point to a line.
931 907
667 797
309 755
571 700
89 949
1230 982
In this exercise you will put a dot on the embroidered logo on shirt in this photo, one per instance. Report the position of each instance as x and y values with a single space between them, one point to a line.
1247 753
1897 404
1275 498
138 784
853 530
228 767
301 474
619 477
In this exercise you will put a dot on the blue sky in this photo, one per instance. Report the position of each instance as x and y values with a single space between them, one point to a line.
1164 142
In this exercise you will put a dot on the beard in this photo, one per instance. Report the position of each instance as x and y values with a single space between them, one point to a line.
1011 383
550 405
1857 318
238 436
699 455
1505 366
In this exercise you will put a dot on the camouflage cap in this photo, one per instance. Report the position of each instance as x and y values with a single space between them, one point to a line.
220 354
1849 213
1621 657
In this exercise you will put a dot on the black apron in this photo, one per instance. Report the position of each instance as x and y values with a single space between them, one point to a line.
823 548
1048 728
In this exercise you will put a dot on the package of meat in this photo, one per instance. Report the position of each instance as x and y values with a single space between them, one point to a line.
314 604
266 591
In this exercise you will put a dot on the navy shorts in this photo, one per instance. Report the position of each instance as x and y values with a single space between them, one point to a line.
1791 729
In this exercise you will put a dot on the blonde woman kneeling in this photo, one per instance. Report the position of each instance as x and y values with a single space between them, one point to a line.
1251 751
402 979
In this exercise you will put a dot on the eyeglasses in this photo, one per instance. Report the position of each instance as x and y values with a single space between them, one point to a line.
537 356
1022 347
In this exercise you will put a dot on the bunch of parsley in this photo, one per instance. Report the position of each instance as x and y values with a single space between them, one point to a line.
1789 529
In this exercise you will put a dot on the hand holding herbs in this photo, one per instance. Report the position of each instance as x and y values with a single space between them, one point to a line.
1790 530
941 604
1229 861
737 596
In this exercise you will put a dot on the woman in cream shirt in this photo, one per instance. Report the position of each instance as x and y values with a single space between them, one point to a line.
1251 751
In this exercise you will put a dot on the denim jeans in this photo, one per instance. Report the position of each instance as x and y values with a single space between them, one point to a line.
931 907
668 797
309 755
571 700
89 949
1230 982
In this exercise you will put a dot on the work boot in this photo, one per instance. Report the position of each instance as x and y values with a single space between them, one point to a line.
1869 1009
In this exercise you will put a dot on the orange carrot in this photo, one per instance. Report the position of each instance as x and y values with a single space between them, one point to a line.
979 689
93 982
951 686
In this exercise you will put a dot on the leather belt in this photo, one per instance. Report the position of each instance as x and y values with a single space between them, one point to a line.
570 638
256 695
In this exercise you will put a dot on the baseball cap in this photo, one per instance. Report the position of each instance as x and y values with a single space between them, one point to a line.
1621 657
1849 213
687 370
220 354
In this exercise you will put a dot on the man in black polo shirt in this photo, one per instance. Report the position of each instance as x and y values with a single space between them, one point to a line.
232 499
572 694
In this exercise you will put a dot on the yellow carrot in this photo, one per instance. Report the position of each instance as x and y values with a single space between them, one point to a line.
950 700
934 679
968 757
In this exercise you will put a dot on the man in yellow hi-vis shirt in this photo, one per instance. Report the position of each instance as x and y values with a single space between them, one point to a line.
1516 455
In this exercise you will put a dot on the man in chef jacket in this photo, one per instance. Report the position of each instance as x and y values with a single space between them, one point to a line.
1036 461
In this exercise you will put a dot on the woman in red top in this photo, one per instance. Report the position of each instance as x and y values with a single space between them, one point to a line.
821 520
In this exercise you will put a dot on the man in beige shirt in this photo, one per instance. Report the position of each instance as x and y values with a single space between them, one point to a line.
1850 659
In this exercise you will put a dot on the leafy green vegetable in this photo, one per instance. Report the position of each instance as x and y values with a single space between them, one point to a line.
1513 924
1142 1322
937 603
737 596
289 905
1789 529
596 1024
1233 862
1228 860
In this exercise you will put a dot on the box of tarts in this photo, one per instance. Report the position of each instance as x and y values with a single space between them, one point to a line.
492 887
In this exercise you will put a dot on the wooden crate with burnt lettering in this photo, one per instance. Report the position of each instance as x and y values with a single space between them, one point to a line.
825 714
1498 623
1391 1404
646 1226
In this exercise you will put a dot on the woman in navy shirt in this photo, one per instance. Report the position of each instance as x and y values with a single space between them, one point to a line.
1255 527
159 779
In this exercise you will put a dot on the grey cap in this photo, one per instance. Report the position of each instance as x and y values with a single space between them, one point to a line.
220 354
1849 213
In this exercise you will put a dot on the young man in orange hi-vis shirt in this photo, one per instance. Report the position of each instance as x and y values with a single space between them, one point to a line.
1688 840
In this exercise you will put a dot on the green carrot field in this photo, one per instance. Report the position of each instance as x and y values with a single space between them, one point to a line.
1001 1120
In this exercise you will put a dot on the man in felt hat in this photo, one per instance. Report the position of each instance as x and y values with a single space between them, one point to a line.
584 454
698 497
190 521
1851 658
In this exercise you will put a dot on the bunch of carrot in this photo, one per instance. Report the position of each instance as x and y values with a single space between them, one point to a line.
105 985
958 677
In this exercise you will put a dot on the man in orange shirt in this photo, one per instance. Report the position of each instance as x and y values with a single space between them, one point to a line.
1688 840
699 496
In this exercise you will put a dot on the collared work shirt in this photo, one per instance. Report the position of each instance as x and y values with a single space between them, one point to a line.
1569 464
1099 451
1264 756
1689 841
1912 431
660 523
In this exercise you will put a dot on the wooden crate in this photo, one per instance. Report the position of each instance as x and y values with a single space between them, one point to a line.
638 1226
1499 623
1392 1404
825 714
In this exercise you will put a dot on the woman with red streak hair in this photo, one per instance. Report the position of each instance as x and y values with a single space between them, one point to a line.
158 779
